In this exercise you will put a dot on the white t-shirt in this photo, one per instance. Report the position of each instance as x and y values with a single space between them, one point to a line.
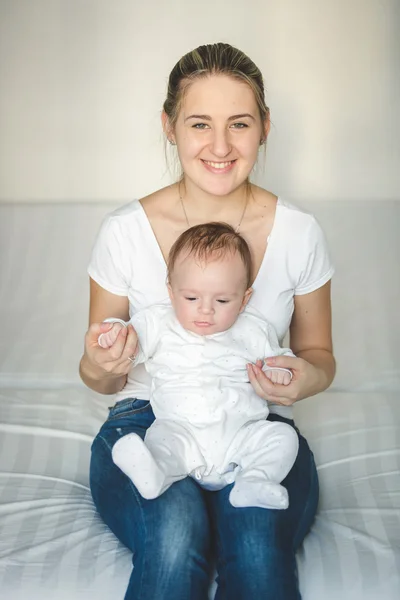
127 261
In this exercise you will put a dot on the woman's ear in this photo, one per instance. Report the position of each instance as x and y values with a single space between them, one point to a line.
246 298
266 129
167 128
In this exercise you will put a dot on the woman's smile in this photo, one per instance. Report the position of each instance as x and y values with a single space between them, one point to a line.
219 167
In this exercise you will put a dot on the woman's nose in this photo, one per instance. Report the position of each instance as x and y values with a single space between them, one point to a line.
220 145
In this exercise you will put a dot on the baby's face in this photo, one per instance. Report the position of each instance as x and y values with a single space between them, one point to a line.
208 298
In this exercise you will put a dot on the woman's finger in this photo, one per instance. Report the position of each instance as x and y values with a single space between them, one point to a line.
286 362
259 381
117 349
95 330
279 390
131 344
261 390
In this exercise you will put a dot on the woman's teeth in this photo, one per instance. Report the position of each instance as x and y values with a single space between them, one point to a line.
218 165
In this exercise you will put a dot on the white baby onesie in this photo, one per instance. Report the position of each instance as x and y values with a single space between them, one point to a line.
210 423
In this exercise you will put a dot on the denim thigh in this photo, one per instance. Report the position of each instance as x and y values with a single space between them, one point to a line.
255 547
169 536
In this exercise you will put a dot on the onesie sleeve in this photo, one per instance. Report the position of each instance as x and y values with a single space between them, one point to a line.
148 326
109 264
315 266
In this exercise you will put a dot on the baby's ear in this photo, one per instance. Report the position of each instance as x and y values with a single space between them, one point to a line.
246 298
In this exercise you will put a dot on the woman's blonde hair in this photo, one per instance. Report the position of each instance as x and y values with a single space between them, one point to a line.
213 59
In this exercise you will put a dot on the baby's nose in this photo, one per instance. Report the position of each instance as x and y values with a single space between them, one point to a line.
206 308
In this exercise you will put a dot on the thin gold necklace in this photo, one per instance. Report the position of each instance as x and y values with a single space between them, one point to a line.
238 225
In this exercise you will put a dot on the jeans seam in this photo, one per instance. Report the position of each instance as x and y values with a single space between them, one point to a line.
219 563
310 495
126 414
133 411
139 501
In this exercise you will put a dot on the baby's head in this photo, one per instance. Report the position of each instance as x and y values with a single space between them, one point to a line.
209 277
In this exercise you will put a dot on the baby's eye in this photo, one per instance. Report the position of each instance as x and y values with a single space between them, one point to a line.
223 301
190 298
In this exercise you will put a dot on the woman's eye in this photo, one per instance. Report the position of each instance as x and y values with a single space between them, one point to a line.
200 126
239 125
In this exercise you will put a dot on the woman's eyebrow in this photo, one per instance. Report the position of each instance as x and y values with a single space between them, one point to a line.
208 118
202 117
242 116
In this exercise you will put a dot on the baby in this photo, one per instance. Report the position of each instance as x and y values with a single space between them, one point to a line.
210 424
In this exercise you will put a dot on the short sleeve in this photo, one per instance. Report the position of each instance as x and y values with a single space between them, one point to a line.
109 265
315 265
272 346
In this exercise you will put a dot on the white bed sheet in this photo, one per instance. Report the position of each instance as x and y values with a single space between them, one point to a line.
54 545
353 549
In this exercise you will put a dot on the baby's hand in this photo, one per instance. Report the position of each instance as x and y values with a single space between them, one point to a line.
106 340
282 376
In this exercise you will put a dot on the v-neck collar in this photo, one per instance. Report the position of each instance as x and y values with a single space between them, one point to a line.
157 249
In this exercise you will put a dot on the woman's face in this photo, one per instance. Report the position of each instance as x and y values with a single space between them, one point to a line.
218 133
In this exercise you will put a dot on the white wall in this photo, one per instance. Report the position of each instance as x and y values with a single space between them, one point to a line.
83 81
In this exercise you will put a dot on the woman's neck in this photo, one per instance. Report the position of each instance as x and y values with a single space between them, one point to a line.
201 206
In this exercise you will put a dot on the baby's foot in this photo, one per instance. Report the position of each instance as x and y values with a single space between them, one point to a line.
258 492
133 457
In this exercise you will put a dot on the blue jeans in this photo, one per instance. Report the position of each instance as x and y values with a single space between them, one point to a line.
178 537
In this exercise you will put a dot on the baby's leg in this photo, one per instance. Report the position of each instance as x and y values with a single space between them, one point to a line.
168 453
265 451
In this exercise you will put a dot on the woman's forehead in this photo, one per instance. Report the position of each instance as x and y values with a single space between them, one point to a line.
218 93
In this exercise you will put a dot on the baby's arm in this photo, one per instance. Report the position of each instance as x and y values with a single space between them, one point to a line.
277 374
147 325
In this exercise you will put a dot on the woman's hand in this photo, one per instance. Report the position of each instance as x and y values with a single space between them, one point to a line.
306 380
116 360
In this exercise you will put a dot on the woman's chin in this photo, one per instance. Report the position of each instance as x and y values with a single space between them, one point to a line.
219 188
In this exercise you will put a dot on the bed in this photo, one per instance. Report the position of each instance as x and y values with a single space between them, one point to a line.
52 542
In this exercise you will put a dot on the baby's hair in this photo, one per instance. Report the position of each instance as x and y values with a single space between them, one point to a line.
211 241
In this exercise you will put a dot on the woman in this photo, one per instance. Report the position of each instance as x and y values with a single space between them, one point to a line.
215 114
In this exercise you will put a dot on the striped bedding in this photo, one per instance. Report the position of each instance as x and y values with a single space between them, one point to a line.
53 544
